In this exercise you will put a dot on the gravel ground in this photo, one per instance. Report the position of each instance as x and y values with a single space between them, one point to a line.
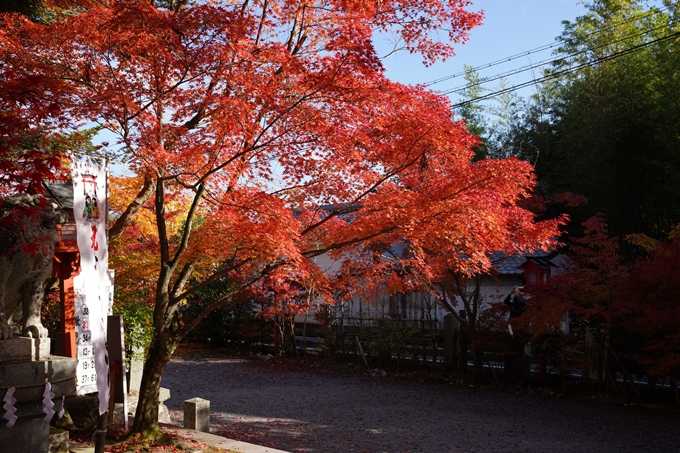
305 409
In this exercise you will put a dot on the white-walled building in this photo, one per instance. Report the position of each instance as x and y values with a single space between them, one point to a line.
417 309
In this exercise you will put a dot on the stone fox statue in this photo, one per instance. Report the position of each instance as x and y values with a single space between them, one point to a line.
28 234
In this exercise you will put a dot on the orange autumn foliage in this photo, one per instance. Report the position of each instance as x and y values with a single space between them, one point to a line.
248 117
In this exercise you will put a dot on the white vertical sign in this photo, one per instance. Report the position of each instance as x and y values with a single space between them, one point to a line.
86 374
91 286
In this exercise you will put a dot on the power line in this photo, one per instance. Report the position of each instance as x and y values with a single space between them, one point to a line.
537 49
554 75
540 64
495 63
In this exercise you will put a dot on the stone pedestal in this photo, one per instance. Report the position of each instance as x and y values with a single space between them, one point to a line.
58 441
30 433
136 370
163 412
21 349
197 414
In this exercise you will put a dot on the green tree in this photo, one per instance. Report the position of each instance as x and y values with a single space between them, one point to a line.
473 112
612 133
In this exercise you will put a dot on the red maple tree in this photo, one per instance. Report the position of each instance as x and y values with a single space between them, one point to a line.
651 304
256 114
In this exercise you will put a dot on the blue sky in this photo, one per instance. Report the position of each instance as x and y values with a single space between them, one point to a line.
510 27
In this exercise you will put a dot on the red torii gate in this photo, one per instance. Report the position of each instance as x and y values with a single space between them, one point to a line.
65 266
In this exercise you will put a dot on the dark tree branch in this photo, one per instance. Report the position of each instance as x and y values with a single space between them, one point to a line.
128 216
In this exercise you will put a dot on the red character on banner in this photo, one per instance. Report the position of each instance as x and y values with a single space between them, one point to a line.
95 244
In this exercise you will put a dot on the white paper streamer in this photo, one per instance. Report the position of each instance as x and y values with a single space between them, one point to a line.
96 432
63 407
9 407
48 404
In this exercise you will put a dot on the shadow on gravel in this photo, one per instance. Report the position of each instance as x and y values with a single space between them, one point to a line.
300 408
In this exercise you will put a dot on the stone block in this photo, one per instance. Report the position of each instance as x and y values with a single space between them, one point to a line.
30 378
119 414
163 412
197 414
58 441
33 408
30 434
24 349
136 370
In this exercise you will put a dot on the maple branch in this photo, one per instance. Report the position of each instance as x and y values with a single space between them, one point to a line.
469 186
160 220
448 307
128 216
256 145
370 189
339 245
296 29
399 169
218 303
460 290
276 118
222 272
189 224
196 119
351 207
182 279
164 274
294 105
298 186
219 167
476 301
183 79
189 326
293 31
259 28
247 149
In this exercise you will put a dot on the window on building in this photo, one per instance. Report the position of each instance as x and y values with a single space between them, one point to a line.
545 276
533 277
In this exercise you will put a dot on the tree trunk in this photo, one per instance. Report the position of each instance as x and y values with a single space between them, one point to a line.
674 385
162 347
478 360
304 335
292 337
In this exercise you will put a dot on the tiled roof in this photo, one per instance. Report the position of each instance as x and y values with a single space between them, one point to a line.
541 261
508 264
62 192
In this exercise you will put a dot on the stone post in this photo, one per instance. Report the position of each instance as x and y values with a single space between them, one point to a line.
136 369
197 414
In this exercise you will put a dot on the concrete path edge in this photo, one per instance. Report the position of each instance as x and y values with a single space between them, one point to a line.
218 441
206 438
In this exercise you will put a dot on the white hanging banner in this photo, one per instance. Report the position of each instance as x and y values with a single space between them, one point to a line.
90 208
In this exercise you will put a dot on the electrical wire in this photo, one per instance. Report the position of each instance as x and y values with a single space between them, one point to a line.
557 74
495 63
537 49
540 64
